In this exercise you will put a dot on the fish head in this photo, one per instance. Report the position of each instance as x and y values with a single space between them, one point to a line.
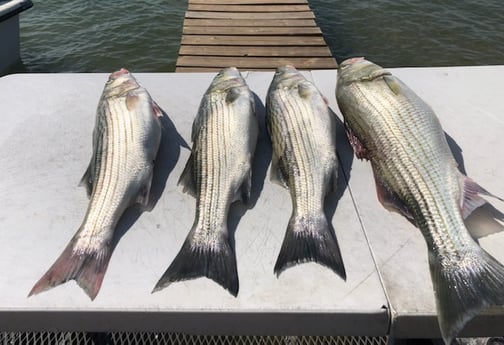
120 82
227 78
358 69
287 77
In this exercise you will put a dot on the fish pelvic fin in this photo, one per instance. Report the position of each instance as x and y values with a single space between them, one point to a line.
464 286
310 239
216 262
86 268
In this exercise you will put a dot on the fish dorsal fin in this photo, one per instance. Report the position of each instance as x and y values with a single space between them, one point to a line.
277 174
360 150
393 84
187 177
87 179
232 94
389 199
470 196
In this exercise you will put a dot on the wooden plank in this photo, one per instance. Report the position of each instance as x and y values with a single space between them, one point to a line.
255 51
248 2
257 62
250 15
248 8
249 22
250 30
253 40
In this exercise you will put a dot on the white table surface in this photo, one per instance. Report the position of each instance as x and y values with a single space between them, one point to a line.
45 146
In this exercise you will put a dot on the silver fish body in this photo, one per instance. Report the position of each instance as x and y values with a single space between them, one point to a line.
303 136
126 139
218 172
416 175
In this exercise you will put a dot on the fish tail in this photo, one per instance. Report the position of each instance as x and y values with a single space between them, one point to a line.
86 268
216 262
464 286
309 239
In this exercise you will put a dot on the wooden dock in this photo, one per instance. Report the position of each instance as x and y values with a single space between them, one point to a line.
251 35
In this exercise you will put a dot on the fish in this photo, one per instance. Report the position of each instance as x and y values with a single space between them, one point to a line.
417 176
217 173
304 161
126 138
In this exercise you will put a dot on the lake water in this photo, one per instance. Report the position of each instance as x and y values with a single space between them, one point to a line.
144 35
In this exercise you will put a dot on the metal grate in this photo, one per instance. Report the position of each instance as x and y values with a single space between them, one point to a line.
141 338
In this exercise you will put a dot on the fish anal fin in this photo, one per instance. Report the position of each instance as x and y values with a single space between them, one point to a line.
309 238
360 150
86 268
143 197
483 221
465 284
187 177
216 262
278 173
389 199
393 84
470 197
244 191
87 180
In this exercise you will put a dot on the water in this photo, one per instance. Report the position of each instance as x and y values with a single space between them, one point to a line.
144 35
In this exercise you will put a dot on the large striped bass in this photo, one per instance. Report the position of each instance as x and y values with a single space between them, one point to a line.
416 175
303 135
218 172
126 139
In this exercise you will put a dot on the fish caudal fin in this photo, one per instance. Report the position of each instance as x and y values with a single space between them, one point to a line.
309 239
87 269
216 262
464 287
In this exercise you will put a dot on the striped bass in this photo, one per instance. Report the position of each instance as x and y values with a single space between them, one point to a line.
303 135
126 138
416 175
218 172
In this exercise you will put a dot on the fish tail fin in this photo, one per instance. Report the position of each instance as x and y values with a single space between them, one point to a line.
216 262
310 239
464 286
86 268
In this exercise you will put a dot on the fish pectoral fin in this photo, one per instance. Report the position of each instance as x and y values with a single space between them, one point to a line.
187 177
360 150
278 174
232 94
471 198
87 180
389 199
305 89
392 84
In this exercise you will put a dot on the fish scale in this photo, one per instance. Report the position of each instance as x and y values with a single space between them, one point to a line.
416 175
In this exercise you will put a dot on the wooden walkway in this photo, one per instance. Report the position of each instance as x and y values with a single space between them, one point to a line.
251 35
